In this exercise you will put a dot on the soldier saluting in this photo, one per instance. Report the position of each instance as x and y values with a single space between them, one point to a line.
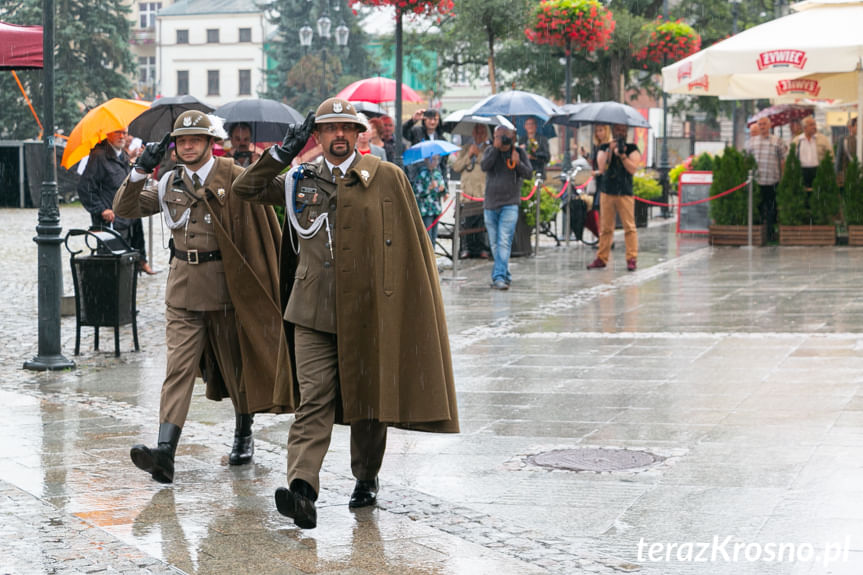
364 307
222 312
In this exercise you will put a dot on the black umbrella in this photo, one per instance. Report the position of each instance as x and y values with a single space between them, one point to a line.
268 119
370 109
153 124
602 113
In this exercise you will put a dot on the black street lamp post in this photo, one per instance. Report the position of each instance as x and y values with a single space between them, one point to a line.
48 229
324 27
735 131
567 91
398 108
663 160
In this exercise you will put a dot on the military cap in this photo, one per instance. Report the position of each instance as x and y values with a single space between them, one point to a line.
195 122
337 110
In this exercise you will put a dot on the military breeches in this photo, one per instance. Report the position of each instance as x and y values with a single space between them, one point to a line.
187 333
309 437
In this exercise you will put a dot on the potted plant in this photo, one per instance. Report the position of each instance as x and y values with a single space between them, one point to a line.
665 41
853 203
586 24
806 218
729 214
646 188
419 7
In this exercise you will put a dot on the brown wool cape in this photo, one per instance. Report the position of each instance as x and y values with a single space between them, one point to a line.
249 236
393 347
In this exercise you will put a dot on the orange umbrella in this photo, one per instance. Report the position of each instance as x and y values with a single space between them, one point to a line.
115 114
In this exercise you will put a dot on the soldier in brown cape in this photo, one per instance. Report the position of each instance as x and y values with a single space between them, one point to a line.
223 317
364 308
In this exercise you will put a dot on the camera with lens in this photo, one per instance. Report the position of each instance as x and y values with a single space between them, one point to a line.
506 140
621 146
243 155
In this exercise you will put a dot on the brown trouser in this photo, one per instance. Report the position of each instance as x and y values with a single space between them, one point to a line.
309 437
186 334
609 206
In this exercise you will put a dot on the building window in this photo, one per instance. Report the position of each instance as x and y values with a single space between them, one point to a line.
212 82
182 36
146 70
245 83
245 34
147 13
182 82
212 36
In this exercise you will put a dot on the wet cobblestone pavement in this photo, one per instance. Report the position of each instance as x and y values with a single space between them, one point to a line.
740 369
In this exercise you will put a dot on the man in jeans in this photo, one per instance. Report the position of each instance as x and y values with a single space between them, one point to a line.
505 166
617 162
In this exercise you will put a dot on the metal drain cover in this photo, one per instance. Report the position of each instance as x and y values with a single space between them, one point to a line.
595 459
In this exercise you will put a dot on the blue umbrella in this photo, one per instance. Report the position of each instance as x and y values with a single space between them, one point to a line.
516 103
427 148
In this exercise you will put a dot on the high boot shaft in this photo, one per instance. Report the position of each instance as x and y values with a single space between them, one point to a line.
159 461
244 444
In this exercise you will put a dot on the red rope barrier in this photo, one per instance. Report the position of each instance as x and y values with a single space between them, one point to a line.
440 215
532 192
701 201
471 198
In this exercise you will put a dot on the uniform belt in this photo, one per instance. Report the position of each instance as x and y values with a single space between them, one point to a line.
196 257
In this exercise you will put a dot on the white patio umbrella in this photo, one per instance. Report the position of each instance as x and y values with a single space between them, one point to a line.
814 53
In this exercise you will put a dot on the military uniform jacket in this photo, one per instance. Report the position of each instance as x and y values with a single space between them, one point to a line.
381 287
245 279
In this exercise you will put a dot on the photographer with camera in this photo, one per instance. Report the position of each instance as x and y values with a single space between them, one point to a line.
505 166
242 151
617 161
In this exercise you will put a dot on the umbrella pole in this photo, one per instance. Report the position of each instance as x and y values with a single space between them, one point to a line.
859 112
50 275
537 184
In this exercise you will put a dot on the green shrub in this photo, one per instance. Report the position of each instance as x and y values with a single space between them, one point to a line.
790 201
548 204
703 163
824 197
730 170
853 194
646 187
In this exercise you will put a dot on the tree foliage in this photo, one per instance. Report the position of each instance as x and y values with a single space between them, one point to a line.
300 77
853 193
92 63
790 200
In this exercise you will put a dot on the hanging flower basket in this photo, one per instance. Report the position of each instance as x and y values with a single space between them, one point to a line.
671 40
419 7
586 23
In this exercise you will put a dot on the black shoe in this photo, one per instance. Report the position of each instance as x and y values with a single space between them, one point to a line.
298 503
244 443
365 493
158 461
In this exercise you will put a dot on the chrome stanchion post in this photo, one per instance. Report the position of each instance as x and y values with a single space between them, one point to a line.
567 198
537 185
456 231
749 209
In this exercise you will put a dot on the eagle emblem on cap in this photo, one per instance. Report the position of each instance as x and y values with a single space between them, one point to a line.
337 107
187 121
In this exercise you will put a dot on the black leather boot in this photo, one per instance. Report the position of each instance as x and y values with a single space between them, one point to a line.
365 493
298 503
159 461
244 443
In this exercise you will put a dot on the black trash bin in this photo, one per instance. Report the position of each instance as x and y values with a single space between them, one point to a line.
105 284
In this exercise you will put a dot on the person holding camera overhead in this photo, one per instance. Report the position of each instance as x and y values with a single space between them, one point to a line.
617 161
505 166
